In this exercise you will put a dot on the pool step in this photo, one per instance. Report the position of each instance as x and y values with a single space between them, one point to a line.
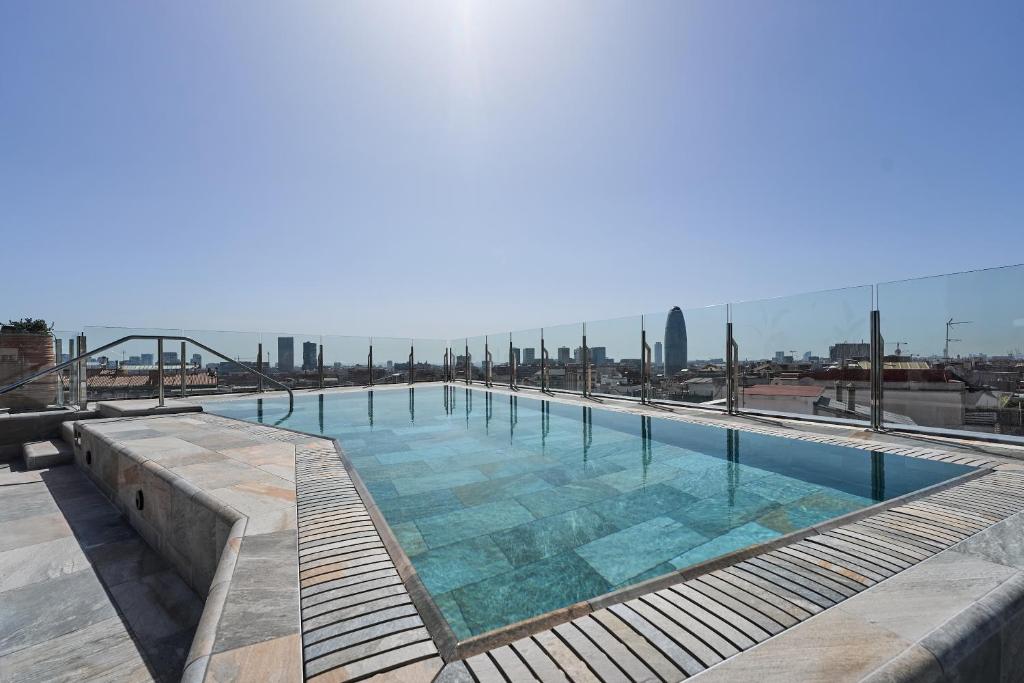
40 454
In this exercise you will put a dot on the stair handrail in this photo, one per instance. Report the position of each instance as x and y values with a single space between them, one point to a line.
154 337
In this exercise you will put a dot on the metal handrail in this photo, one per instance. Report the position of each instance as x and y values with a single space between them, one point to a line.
155 337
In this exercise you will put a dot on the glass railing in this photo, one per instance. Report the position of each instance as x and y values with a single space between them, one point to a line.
688 355
526 345
806 354
951 352
955 351
615 356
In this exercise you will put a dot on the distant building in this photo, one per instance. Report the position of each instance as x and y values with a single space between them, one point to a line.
170 357
849 350
518 356
197 360
675 342
286 354
598 355
529 355
146 359
564 354
134 360
657 354
309 356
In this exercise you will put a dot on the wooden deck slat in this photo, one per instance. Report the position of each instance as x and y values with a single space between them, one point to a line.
509 663
640 646
596 659
541 665
614 649
679 657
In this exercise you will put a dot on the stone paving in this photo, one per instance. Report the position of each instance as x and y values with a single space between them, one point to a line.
83 597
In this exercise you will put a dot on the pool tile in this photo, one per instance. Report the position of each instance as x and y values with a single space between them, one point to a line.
454 526
527 591
398 509
451 566
452 614
552 535
568 497
505 487
616 558
408 535
640 505
782 489
422 484
813 509
738 538
715 516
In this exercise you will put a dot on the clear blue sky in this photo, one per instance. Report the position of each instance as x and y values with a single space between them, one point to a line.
437 169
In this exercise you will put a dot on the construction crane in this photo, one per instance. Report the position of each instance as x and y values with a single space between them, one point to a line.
950 323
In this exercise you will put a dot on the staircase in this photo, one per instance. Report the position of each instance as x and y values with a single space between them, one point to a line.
50 453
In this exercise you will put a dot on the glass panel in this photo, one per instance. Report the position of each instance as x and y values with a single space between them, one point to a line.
565 353
498 344
527 344
429 359
209 373
293 358
615 354
688 360
476 358
345 360
955 351
129 370
806 354
391 360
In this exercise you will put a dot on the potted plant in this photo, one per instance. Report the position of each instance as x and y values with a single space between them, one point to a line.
26 347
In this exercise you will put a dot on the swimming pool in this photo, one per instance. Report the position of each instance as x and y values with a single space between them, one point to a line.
509 507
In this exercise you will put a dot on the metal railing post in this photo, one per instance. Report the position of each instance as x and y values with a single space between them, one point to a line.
643 363
259 366
83 374
184 374
730 362
487 363
72 373
160 371
585 357
467 362
877 370
513 365
543 363
58 350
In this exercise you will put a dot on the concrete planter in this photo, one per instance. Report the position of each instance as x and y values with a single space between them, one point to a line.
22 354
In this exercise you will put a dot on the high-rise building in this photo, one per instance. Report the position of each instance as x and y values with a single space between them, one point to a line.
518 356
309 355
146 359
529 354
675 342
286 354
657 354
563 354
849 350
577 354
197 360
170 357
598 355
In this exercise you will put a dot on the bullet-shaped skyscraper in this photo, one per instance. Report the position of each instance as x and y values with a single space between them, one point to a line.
675 342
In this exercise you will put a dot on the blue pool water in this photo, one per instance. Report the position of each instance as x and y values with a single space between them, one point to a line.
510 507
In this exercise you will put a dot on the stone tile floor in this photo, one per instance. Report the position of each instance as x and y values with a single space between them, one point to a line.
84 598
